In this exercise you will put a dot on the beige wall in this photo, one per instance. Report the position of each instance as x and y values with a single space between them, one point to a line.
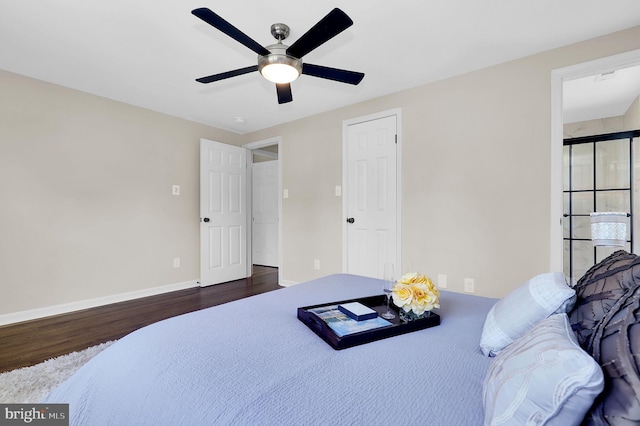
632 116
475 173
87 210
629 121
597 126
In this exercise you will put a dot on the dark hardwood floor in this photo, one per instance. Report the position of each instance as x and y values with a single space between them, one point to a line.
31 342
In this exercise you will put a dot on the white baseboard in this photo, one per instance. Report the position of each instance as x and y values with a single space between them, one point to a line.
92 303
286 283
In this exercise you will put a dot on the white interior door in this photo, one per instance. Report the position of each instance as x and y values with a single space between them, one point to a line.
223 213
371 196
265 213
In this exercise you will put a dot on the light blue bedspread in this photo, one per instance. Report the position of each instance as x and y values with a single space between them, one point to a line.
252 362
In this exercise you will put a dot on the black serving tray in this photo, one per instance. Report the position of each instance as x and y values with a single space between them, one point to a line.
377 303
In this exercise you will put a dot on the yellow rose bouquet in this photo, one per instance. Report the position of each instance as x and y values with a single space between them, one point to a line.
415 294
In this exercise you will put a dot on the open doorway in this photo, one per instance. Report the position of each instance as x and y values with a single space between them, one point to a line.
265 215
264 188
596 98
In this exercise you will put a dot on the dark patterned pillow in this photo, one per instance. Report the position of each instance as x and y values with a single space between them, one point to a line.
614 261
599 290
616 347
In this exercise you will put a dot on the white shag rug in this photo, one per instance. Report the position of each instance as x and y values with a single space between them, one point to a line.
30 385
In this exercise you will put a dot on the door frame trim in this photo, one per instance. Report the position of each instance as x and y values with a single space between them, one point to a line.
397 112
558 77
276 140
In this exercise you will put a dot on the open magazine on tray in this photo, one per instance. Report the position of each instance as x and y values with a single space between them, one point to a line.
343 324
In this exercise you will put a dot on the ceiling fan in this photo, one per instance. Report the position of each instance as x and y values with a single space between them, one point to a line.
280 63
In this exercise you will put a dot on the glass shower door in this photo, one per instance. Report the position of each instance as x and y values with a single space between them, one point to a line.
597 178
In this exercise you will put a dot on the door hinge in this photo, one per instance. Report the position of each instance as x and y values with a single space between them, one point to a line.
396 139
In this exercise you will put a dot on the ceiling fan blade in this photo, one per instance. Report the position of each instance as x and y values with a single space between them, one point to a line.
343 76
218 22
284 93
328 27
228 74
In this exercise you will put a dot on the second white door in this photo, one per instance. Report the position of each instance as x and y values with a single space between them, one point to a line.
265 213
371 202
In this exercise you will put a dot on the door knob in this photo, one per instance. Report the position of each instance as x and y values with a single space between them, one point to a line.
351 220
206 219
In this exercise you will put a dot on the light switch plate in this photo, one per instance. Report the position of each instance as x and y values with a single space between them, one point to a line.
175 189
469 285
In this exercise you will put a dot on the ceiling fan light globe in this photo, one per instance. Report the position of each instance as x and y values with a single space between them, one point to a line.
279 68
280 73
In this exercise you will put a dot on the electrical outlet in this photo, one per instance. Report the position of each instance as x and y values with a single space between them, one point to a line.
469 285
175 189
285 193
338 191
316 264
442 281
176 262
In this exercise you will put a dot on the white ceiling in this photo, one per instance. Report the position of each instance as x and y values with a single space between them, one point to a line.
600 96
149 52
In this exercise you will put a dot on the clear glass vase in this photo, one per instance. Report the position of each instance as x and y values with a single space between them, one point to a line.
412 316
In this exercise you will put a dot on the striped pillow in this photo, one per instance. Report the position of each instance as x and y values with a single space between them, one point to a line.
544 377
516 313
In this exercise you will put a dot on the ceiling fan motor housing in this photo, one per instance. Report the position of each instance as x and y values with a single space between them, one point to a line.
280 31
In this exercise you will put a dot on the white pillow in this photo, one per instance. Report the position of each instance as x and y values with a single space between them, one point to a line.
523 308
542 378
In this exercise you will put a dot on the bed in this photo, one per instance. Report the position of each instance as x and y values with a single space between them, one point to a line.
545 354
253 362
